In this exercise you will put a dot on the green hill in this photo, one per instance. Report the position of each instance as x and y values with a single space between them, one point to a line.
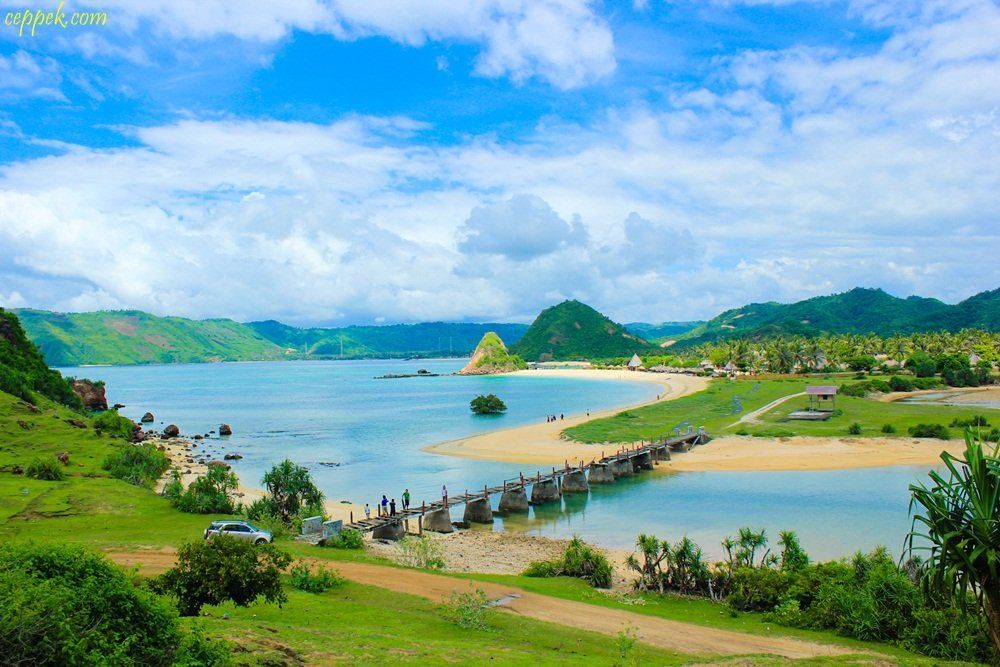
491 356
573 330
23 369
859 311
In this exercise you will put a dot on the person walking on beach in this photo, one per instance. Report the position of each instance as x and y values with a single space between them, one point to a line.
406 499
444 495
392 507
385 505
368 511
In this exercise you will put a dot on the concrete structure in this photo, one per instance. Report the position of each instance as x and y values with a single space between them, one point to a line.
600 473
621 468
514 500
642 461
439 521
575 481
478 511
313 524
393 531
661 453
544 491
332 528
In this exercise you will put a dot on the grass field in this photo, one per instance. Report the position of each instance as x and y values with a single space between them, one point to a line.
352 624
719 408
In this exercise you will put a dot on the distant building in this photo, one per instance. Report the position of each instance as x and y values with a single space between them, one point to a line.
823 398
635 363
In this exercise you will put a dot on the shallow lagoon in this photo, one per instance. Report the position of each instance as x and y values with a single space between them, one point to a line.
362 436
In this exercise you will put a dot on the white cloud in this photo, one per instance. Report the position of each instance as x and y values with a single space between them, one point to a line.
24 75
523 227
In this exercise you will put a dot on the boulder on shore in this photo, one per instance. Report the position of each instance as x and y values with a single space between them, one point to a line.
232 457
91 394
147 418
225 429
171 431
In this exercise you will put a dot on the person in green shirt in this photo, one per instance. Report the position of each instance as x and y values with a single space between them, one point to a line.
406 499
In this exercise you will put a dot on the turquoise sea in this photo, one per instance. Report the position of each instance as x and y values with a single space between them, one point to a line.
361 437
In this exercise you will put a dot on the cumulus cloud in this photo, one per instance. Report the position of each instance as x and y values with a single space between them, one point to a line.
23 75
523 227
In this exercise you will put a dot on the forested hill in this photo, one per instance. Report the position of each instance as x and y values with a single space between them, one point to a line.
23 370
573 330
136 337
858 311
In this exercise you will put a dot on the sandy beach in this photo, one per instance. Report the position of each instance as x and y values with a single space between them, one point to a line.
542 443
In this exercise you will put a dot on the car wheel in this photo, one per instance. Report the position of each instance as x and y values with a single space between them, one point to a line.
259 541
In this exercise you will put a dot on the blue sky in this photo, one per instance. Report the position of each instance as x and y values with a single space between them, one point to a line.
326 162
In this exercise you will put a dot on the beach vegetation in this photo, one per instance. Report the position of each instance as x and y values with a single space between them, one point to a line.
955 522
46 468
291 495
939 431
348 538
664 567
854 429
888 429
469 610
140 464
223 569
490 404
421 552
210 493
109 422
579 560
316 579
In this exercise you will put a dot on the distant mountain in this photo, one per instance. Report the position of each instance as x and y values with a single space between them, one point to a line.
573 330
135 337
661 331
491 356
395 340
859 311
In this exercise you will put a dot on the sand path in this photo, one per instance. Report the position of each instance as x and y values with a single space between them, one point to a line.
542 443
673 635
752 416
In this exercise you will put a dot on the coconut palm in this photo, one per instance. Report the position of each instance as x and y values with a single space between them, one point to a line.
958 515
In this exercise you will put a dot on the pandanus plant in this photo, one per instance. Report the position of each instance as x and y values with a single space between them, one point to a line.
956 520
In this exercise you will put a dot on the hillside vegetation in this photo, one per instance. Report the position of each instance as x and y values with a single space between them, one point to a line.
23 370
661 331
859 311
573 330
491 356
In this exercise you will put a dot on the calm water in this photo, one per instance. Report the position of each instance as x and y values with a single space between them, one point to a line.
361 437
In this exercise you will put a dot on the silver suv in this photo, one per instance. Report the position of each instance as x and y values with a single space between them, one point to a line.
243 530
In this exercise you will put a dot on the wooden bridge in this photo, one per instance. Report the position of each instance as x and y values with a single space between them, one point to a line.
545 487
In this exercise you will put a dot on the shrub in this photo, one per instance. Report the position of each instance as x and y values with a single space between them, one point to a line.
543 568
224 569
292 492
854 429
888 428
758 588
347 539
927 382
579 560
421 552
490 404
947 633
468 610
977 421
207 494
112 423
140 464
46 468
879 386
921 365
857 390
930 431
315 581
63 605
898 383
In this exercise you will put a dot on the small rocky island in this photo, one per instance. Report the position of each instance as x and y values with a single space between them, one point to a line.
491 357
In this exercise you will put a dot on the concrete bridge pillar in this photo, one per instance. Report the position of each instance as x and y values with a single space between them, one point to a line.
513 500
575 481
600 473
390 531
478 511
621 468
544 491
642 461
439 521
663 453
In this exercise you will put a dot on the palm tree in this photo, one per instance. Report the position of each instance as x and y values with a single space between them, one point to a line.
960 512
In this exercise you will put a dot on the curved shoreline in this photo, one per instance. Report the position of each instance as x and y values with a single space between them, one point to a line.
543 443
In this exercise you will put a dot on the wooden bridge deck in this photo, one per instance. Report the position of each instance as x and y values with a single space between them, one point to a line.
683 443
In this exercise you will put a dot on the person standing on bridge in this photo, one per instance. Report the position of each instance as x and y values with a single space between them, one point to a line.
406 499
368 511
444 495
392 507
385 506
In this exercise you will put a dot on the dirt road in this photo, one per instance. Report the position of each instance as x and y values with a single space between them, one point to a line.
673 635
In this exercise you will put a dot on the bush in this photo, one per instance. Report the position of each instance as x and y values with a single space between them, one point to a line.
347 539
207 494
921 365
927 383
978 421
46 468
421 552
879 386
112 423
224 569
930 431
858 390
758 589
319 580
63 605
291 492
888 428
948 634
897 383
854 429
140 465
579 560
487 405
468 610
